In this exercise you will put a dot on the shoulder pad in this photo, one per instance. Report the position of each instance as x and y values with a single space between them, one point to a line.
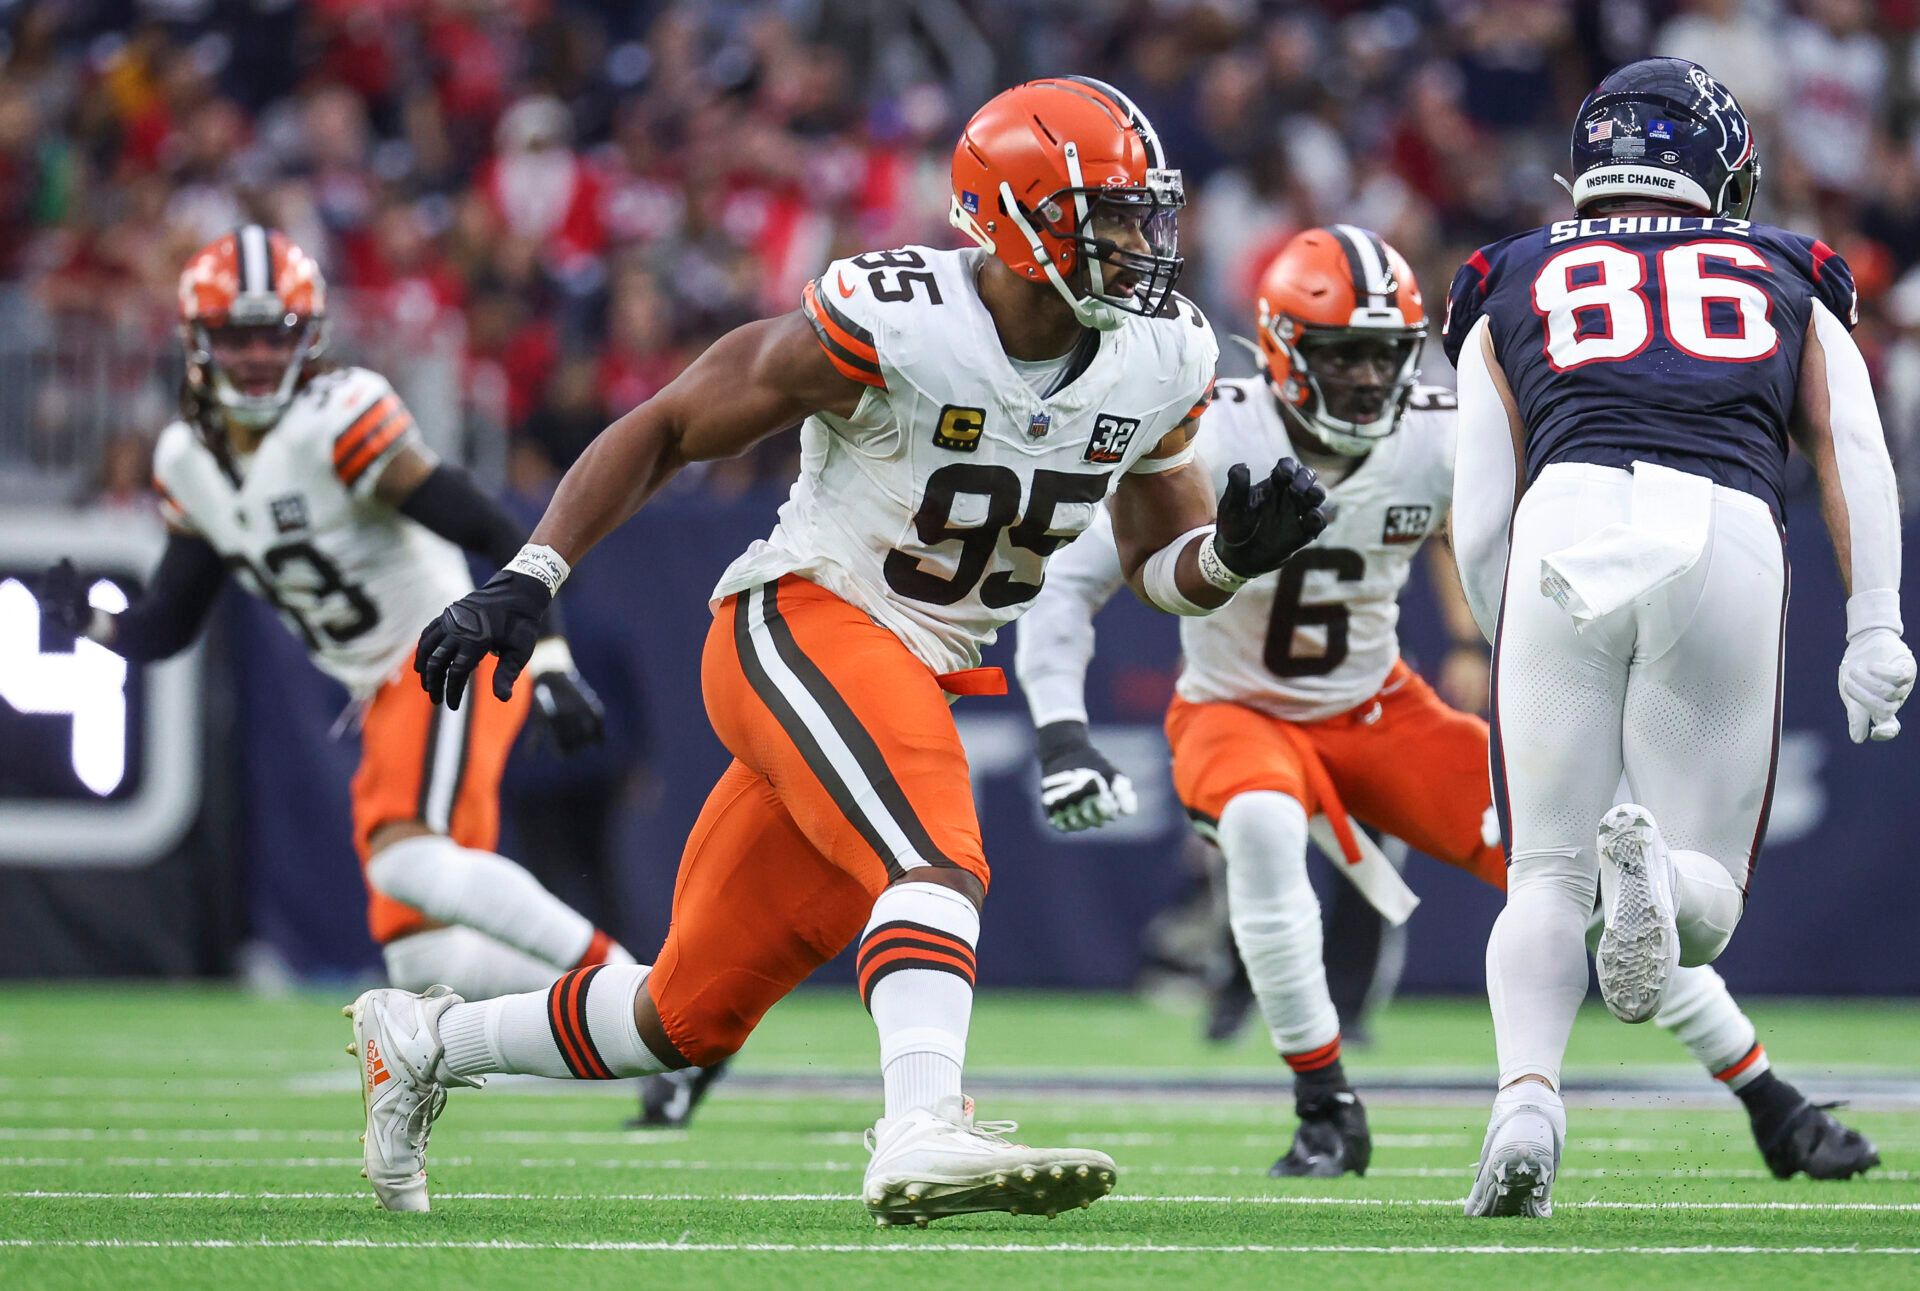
171 452
1466 297
1833 282
853 302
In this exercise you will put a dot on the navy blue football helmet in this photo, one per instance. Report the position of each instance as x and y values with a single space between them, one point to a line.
1663 128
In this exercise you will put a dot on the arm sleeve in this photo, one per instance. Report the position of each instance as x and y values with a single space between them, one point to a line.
1860 455
1483 484
166 619
450 504
1053 643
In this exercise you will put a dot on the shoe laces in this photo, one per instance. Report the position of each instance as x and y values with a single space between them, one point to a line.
420 1119
994 1132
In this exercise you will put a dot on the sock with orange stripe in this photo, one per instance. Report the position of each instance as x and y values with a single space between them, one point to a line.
1317 1070
580 1028
1702 1015
1276 924
916 970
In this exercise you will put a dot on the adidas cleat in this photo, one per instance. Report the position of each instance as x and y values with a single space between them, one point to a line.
403 1087
928 1165
1519 1158
1639 944
1815 1143
1332 1139
667 1100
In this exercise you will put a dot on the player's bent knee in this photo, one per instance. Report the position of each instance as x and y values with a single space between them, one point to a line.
966 883
714 1022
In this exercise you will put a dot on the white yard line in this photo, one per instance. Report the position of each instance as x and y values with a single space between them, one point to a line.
911 1247
46 1194
1461 1172
253 1134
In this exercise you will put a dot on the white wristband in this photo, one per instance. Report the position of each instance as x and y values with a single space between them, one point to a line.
544 563
1159 576
550 654
1215 570
1879 608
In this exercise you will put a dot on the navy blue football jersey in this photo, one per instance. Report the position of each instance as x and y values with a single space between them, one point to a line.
1662 338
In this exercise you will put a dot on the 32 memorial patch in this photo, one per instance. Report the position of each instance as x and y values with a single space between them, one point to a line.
1407 523
1111 435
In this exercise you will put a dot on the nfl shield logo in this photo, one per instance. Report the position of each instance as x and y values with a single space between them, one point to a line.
1042 422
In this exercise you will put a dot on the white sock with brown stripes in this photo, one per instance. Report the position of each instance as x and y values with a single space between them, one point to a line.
580 1028
480 890
916 973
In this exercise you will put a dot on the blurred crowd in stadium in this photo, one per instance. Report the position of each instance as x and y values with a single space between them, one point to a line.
595 190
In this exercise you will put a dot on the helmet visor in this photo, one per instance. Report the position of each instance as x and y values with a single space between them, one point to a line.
255 357
1129 238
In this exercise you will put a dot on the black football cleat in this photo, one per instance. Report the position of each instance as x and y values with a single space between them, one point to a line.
1332 1139
667 1099
1813 1142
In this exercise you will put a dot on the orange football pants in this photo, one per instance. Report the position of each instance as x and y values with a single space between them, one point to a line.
848 774
439 766
1403 762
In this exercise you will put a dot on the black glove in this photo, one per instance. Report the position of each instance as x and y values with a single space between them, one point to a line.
62 594
502 618
565 707
1079 788
1261 525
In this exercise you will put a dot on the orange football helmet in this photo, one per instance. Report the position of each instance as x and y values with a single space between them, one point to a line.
251 300
1064 178
1327 290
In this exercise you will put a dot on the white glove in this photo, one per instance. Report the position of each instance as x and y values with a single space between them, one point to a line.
1876 676
1079 788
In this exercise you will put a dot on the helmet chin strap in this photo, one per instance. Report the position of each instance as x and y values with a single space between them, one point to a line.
1090 311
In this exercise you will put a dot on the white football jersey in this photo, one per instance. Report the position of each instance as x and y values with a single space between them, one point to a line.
1312 639
298 524
937 504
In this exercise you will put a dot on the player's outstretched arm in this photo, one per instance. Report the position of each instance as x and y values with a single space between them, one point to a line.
1487 470
161 622
1079 787
1183 555
757 379
445 500
1837 426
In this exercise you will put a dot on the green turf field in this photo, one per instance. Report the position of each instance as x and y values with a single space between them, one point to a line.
207 1139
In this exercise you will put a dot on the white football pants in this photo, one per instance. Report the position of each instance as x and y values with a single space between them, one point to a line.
1678 691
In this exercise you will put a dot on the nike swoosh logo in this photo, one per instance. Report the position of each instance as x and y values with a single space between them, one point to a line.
846 292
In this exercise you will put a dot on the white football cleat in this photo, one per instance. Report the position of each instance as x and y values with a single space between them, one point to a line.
1639 945
1520 1156
927 1165
403 1086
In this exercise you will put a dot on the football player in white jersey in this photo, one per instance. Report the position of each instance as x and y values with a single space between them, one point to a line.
967 412
1293 702
311 486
